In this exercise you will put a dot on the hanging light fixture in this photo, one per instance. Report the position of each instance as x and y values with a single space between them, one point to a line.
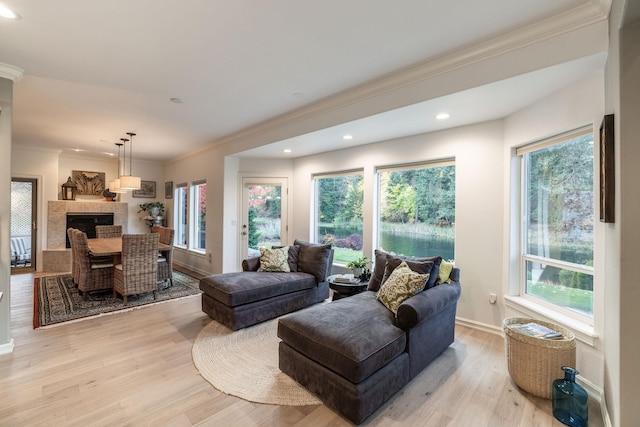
114 185
129 182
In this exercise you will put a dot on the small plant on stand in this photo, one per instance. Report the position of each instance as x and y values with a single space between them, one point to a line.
360 267
154 211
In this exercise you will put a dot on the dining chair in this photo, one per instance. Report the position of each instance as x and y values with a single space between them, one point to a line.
108 231
93 274
74 264
165 258
138 272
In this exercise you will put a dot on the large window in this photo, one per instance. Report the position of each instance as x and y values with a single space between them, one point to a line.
558 215
190 215
181 210
199 212
338 218
417 209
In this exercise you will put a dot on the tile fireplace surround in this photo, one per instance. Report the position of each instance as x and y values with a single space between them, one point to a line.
56 258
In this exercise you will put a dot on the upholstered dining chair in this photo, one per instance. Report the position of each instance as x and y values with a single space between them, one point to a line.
93 274
165 258
138 272
107 231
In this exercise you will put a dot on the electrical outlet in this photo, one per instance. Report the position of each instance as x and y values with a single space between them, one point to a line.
209 257
492 298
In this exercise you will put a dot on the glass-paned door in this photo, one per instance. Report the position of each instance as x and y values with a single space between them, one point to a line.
264 214
23 224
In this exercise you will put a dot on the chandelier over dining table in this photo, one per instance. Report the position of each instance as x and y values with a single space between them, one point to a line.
125 182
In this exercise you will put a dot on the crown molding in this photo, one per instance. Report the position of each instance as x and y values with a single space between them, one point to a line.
10 72
569 21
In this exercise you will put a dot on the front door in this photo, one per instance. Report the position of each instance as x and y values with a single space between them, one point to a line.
264 214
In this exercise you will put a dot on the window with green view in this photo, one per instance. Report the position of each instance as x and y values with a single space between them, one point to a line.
339 200
417 209
558 220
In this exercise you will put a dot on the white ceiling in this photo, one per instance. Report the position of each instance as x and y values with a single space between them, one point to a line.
94 70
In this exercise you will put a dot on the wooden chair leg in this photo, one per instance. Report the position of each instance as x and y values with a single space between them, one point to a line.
155 295
124 298
84 295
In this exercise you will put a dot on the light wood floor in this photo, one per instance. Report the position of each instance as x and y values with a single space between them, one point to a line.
135 368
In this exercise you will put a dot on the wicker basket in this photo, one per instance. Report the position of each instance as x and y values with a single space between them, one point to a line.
534 363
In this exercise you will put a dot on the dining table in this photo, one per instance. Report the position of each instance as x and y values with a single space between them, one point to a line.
112 246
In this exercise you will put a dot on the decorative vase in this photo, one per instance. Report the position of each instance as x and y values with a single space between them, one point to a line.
570 400
357 272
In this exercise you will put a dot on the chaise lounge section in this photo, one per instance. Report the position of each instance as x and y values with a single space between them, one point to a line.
242 299
355 353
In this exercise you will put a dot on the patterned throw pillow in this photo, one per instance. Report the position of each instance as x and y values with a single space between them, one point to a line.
402 284
274 260
445 271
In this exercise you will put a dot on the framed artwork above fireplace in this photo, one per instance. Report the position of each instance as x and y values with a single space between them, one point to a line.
88 183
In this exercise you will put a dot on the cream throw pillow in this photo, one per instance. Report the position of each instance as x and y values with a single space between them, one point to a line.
402 284
274 260
445 271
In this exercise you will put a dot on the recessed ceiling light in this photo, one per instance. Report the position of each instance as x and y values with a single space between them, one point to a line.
5 12
287 150
347 137
443 116
176 100
77 150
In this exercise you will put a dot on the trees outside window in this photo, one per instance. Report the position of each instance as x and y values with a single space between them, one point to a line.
416 214
199 209
338 219
558 221
181 214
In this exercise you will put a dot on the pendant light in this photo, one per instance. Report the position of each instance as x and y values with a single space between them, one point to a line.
129 182
114 185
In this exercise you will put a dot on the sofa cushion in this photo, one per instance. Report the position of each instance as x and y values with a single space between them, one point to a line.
445 271
379 265
392 261
234 289
274 260
402 284
294 253
353 337
313 258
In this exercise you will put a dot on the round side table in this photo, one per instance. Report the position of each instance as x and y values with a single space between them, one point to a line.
343 290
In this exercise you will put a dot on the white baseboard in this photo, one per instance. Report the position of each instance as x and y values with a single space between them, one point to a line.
7 348
479 326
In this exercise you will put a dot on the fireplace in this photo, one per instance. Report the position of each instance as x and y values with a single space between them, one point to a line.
87 221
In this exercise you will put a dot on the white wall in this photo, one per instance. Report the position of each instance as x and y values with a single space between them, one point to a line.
478 153
209 165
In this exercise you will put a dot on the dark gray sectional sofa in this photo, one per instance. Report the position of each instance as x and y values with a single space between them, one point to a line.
354 354
242 299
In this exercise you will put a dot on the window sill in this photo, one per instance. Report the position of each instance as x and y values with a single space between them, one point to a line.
584 332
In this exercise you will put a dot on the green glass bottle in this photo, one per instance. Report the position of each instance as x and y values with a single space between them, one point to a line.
570 400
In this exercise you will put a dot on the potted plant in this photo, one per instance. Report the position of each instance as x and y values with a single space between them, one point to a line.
360 267
152 209
109 196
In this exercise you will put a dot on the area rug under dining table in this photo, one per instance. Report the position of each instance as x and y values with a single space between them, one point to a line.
57 300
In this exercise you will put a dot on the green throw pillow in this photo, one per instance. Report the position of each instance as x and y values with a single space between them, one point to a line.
274 260
445 271
402 284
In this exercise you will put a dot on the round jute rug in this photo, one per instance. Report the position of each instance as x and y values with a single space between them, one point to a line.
244 363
